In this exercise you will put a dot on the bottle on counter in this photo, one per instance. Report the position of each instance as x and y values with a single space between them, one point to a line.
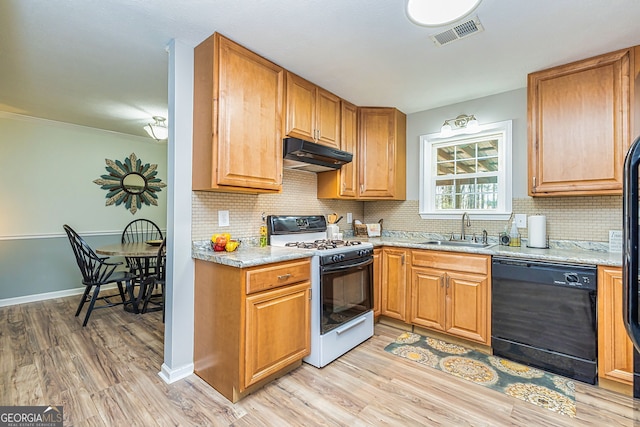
263 236
514 236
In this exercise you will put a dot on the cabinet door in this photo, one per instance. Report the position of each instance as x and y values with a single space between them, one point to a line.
381 150
343 183
615 349
327 118
428 295
237 119
394 283
277 330
579 126
467 306
377 282
249 121
300 108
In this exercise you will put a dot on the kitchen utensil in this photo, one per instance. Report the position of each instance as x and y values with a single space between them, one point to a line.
338 220
331 218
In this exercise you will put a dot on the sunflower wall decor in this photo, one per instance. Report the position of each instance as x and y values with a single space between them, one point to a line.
130 183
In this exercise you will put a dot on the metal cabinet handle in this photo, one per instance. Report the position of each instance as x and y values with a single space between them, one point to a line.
284 276
402 259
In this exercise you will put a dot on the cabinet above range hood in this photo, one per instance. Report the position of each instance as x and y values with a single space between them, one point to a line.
312 157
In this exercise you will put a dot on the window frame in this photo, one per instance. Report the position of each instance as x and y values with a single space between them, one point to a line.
428 172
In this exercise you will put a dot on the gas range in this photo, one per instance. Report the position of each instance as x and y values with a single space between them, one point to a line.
341 284
310 232
324 244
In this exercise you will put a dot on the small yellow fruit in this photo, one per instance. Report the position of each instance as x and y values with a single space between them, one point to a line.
231 245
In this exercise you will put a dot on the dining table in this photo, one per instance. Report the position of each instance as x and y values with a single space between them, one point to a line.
142 253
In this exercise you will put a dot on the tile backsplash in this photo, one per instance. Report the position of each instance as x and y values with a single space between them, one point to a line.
298 197
568 218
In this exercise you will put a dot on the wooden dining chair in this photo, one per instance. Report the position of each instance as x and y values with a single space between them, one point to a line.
97 271
156 280
141 230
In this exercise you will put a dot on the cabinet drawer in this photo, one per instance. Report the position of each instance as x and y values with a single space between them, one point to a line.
451 261
275 275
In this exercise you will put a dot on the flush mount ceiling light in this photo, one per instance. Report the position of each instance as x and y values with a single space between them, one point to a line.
157 130
434 13
469 123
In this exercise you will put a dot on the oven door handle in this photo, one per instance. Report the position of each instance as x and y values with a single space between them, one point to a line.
347 267
346 328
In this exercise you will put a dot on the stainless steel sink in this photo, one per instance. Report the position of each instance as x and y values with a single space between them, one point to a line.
462 243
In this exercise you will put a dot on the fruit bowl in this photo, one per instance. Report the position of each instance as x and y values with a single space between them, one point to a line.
230 246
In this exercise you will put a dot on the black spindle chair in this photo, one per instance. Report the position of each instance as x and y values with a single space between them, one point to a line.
141 230
155 280
96 271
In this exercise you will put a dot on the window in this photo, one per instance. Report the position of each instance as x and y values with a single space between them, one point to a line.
467 173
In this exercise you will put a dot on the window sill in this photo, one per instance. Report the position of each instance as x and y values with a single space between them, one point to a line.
493 216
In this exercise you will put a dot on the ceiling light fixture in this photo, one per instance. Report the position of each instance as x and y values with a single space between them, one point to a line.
434 13
468 123
157 130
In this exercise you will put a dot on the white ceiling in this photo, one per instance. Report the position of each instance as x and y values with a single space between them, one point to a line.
103 63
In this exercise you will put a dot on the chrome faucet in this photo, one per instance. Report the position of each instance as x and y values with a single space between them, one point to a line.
462 235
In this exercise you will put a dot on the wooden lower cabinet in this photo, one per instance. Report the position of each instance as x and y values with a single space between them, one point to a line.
251 324
452 302
277 330
394 282
428 295
444 291
377 282
615 349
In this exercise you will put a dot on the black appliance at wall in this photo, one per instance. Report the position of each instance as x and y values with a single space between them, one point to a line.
630 260
544 315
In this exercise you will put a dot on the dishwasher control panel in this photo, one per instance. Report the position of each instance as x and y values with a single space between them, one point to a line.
574 279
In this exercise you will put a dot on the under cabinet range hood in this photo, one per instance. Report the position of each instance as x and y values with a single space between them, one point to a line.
312 157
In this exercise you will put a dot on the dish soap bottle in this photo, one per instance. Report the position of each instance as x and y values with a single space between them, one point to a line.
514 236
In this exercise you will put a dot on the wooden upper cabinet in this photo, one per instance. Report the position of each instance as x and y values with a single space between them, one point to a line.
381 154
343 183
312 113
237 129
579 126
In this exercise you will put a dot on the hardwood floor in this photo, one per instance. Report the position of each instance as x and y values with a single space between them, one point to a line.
107 375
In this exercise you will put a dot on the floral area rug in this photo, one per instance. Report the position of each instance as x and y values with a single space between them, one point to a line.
532 385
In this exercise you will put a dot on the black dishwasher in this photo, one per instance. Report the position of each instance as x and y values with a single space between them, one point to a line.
544 315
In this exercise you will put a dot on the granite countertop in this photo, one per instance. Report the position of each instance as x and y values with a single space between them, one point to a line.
247 255
578 253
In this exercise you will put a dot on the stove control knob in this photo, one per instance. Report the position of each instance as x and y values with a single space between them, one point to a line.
337 258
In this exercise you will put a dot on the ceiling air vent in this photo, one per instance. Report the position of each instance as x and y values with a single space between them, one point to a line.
457 32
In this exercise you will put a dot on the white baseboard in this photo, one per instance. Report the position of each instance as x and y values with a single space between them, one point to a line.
47 295
169 375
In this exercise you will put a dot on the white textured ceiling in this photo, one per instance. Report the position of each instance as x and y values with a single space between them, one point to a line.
103 63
